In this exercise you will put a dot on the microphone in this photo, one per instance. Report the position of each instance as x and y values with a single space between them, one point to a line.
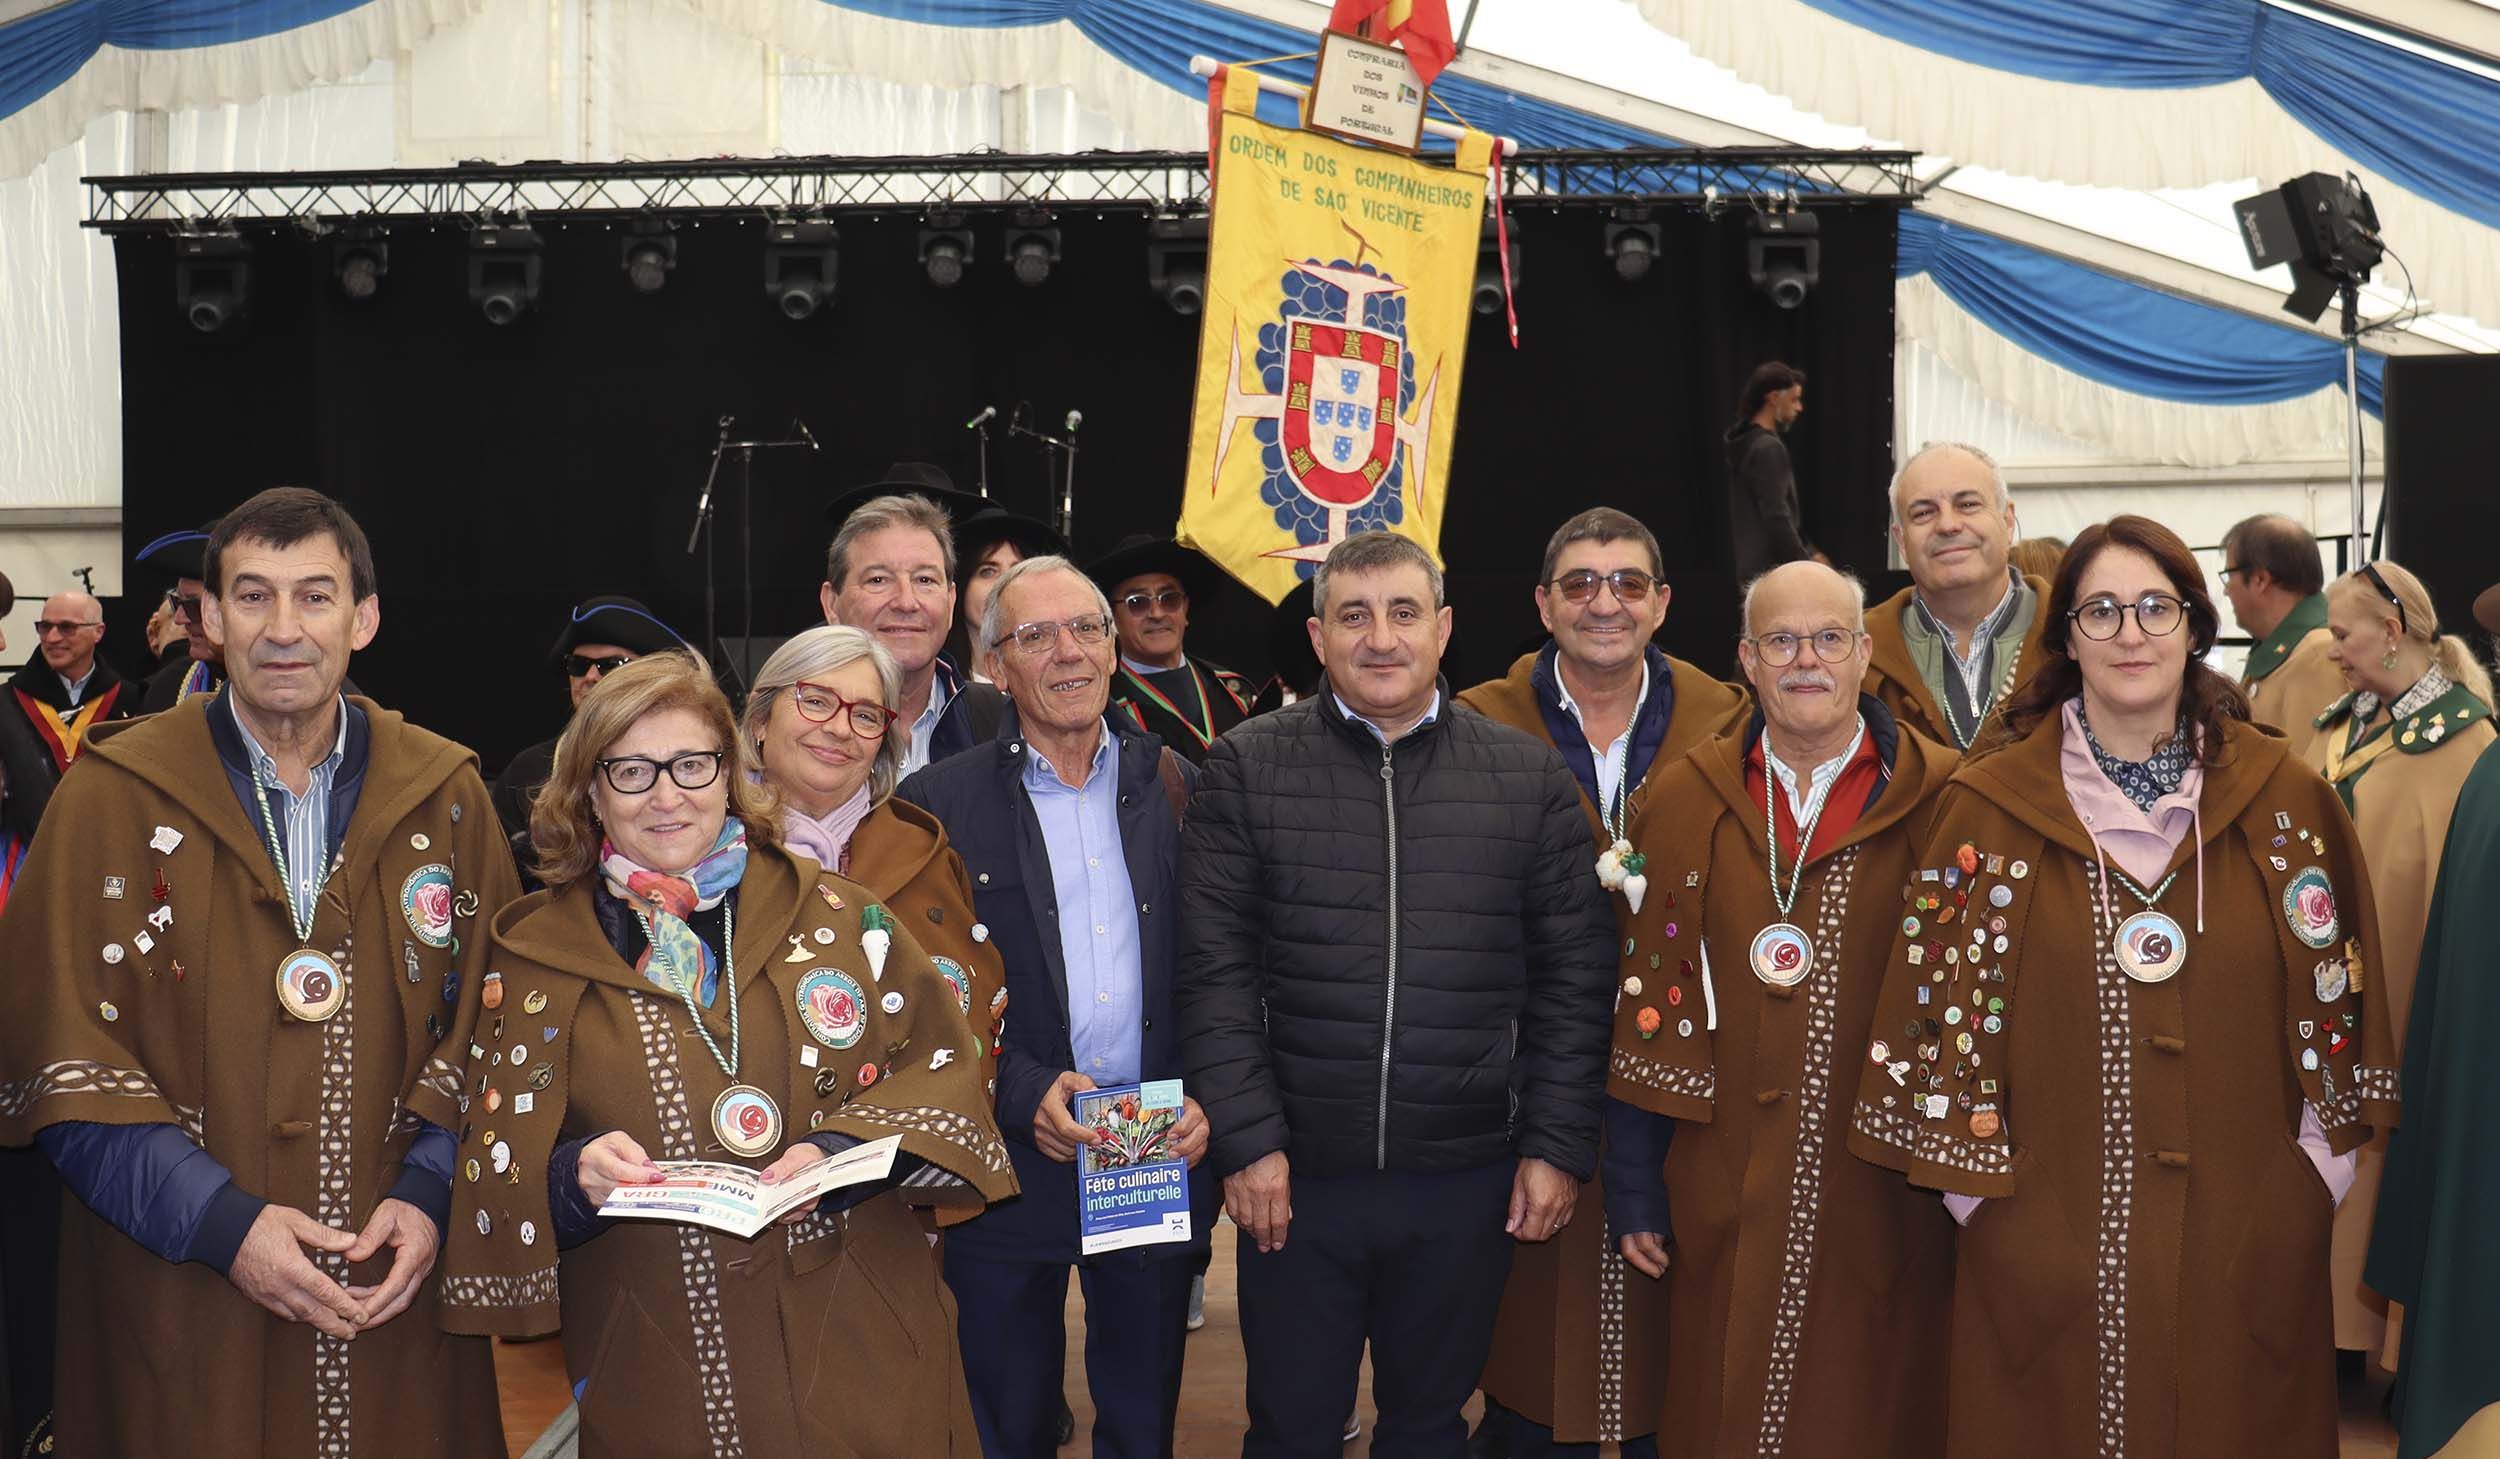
805 434
988 413
1075 418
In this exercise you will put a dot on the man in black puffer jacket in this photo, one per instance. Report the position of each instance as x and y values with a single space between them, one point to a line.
1394 1005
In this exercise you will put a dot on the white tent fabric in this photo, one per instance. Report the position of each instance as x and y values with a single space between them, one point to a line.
2061 132
274 65
604 79
2127 427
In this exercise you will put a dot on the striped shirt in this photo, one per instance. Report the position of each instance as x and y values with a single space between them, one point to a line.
303 820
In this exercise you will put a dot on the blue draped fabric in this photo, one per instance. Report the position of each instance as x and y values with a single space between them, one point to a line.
2432 126
45 49
2121 333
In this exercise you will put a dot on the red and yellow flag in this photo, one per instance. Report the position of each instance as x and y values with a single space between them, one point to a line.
1421 26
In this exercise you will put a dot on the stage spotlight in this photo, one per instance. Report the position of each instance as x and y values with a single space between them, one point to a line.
945 249
647 255
2323 226
1783 257
1632 241
1176 262
360 261
1032 247
503 271
1486 297
213 280
801 261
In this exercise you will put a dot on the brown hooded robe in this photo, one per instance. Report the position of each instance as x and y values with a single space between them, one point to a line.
1580 1343
159 1361
1893 677
2148 1278
829 1337
1806 1290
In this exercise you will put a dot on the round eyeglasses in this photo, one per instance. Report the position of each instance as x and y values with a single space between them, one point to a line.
2099 619
1779 650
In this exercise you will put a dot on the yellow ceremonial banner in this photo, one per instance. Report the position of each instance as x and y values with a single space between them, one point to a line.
1338 283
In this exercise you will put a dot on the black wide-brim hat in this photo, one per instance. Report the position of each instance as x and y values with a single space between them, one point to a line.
2487 609
909 478
620 621
182 554
1289 654
993 524
1140 553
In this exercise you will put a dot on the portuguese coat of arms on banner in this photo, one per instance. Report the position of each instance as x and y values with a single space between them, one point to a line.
1338 284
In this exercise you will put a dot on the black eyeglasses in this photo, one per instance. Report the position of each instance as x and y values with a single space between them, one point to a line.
59 626
578 665
636 774
2368 570
820 705
1779 650
1631 585
2099 619
1039 638
2229 568
1167 600
185 605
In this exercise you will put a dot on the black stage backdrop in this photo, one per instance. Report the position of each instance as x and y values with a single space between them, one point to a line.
504 473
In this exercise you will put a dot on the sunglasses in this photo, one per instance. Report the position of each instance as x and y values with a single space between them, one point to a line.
63 627
1630 585
578 665
1167 600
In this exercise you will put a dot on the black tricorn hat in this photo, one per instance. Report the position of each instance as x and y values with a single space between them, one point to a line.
620 621
182 554
909 478
1142 553
993 524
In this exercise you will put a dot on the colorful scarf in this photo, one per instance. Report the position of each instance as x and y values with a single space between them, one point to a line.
667 901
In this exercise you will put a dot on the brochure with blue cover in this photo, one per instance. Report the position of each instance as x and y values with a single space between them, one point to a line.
1132 1188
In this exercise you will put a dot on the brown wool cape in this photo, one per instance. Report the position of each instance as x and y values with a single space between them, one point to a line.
2402 785
1806 1292
1892 676
2148 1278
832 1336
2291 681
1580 1343
157 1359
900 854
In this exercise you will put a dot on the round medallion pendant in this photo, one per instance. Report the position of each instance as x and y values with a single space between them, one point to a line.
1782 955
310 986
746 1120
2151 947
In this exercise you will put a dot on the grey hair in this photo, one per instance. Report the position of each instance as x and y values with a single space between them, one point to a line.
991 611
1996 473
903 509
1371 552
817 652
1857 591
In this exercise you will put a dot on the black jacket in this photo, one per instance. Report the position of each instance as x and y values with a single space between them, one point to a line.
26 757
1392 958
1764 523
980 798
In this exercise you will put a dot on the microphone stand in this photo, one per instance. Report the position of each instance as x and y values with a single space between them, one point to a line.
1052 446
745 453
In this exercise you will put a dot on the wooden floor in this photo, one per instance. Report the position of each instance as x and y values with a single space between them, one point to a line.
532 1379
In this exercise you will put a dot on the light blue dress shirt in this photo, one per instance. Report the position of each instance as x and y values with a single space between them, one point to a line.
303 821
1098 936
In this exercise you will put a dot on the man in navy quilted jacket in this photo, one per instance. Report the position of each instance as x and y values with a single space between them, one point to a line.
1394 998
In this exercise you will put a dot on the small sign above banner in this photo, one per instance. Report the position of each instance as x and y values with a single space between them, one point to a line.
1366 91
